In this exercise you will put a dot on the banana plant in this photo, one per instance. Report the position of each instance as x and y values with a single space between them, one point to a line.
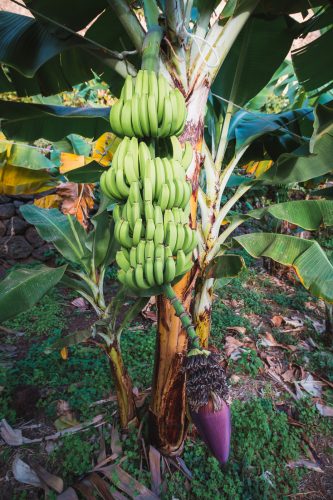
88 256
205 49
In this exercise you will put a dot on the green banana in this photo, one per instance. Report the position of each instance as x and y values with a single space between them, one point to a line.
140 252
130 279
121 184
153 85
169 270
132 257
162 92
181 112
124 237
163 199
159 176
144 157
179 189
139 277
150 174
166 125
149 210
149 271
147 190
152 113
137 231
136 123
129 169
149 249
158 271
171 235
187 156
128 88
172 193
159 234
180 262
133 149
180 236
177 152
145 82
144 117
126 119
115 115
150 229
122 261
158 215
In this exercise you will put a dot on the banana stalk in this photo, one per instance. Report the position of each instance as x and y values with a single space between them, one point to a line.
124 387
168 421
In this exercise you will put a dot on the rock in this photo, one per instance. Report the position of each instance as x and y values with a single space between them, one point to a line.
15 247
2 228
41 253
4 199
33 237
7 210
16 225
18 203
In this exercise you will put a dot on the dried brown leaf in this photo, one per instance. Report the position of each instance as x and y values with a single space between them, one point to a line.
324 410
277 321
305 463
68 494
24 473
238 329
155 469
116 446
127 483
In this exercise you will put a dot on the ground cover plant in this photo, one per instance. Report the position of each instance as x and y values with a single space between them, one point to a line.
192 169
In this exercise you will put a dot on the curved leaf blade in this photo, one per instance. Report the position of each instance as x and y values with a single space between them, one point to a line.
306 256
225 266
23 288
28 122
64 232
307 214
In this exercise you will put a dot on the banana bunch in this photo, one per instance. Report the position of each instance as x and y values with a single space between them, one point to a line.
149 182
148 107
163 180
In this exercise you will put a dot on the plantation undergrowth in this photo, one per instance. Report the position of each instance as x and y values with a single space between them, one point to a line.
269 426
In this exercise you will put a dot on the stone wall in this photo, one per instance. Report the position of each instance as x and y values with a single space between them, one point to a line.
19 241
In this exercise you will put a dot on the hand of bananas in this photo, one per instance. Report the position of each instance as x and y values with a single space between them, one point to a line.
151 219
148 108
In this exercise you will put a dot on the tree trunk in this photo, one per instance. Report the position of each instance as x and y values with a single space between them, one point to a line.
168 423
124 388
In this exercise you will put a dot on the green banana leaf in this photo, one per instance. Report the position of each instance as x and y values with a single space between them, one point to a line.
45 58
288 6
87 174
308 162
64 232
100 240
305 256
28 122
313 63
307 214
23 288
258 51
225 266
21 155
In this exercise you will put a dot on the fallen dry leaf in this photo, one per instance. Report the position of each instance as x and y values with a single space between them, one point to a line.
294 322
155 469
269 341
12 437
238 329
147 311
24 473
80 303
305 463
313 387
276 321
325 411
234 347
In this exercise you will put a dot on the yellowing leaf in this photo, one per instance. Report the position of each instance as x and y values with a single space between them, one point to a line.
49 201
17 180
104 148
64 353
258 167
71 161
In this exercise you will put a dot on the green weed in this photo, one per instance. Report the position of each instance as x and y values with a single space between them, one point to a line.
138 347
75 456
41 319
248 362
